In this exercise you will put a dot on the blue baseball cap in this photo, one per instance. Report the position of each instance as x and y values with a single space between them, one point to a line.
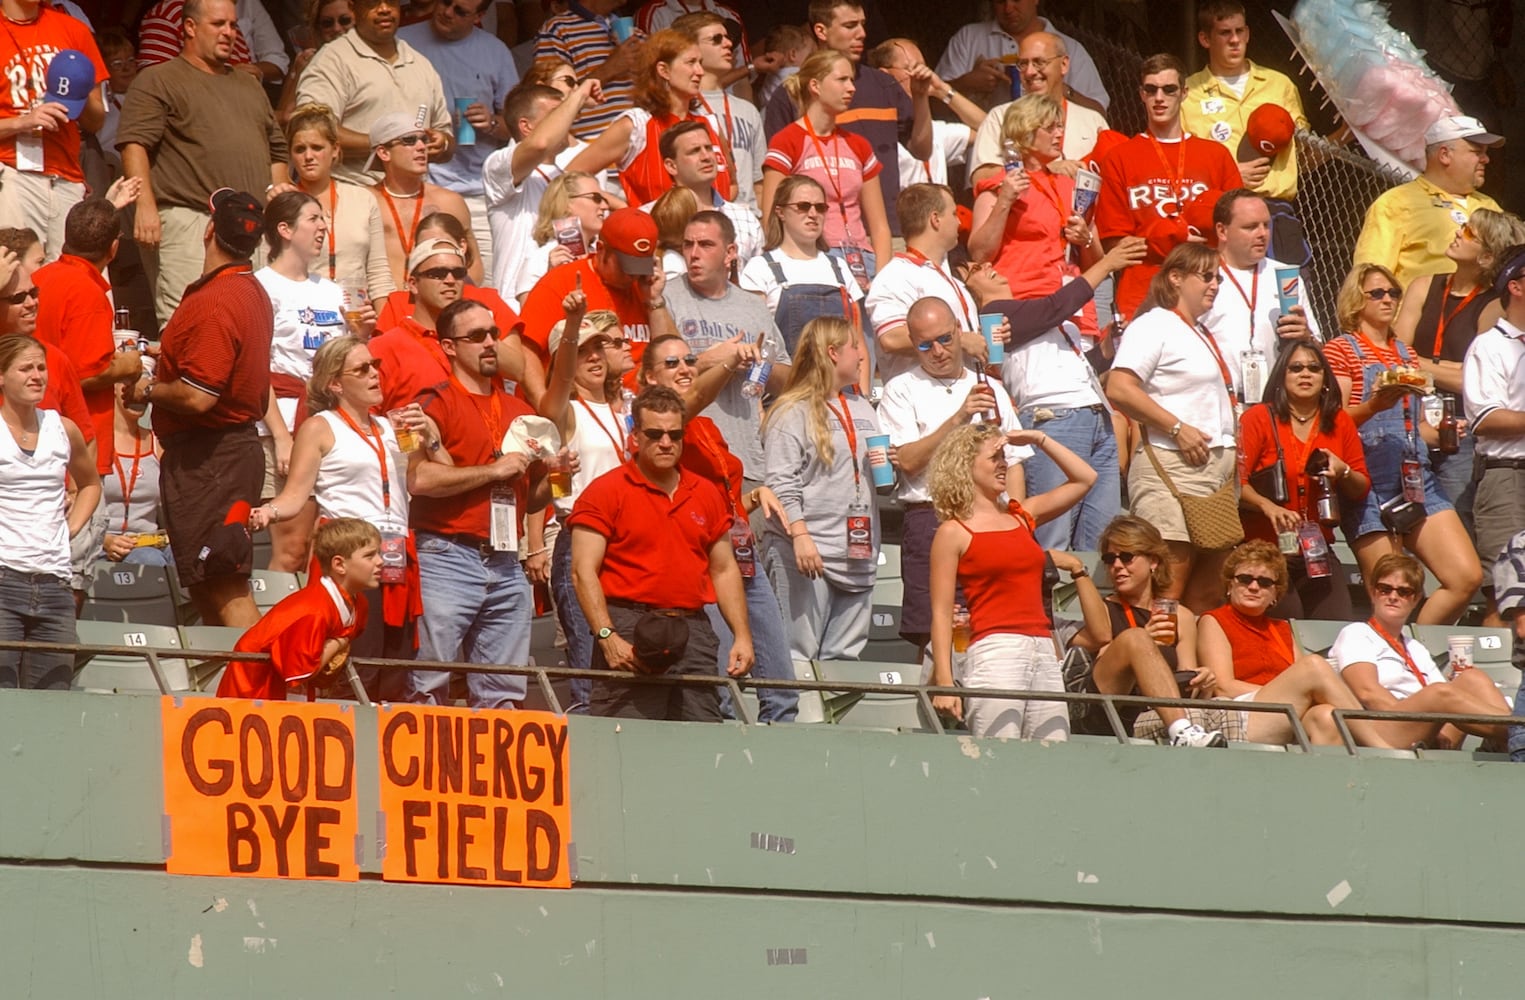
70 79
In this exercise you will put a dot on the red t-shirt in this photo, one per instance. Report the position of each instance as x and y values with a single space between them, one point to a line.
1143 194
293 633
411 362
542 308
849 161
706 454
73 313
26 49
1034 256
1257 450
658 548
398 306
472 428
1262 646
218 341
63 392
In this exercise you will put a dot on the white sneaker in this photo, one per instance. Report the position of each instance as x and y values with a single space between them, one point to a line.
1195 736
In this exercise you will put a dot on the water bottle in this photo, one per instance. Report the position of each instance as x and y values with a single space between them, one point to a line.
757 375
1011 156
629 400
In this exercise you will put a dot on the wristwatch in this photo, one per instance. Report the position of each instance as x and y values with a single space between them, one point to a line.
1076 574
1175 429
603 633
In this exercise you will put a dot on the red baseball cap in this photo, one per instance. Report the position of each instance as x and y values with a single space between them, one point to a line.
1269 129
632 235
1198 215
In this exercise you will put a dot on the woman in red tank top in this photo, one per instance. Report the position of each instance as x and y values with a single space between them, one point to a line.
986 546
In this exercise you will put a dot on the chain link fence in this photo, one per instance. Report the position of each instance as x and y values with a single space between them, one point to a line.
1118 67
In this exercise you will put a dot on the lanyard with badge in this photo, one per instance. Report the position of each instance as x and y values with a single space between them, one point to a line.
743 542
1410 469
1400 649
394 537
1252 362
503 518
832 169
1212 345
860 543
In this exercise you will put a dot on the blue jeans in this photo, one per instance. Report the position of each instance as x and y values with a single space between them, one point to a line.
1088 433
573 624
1517 733
35 607
770 644
477 609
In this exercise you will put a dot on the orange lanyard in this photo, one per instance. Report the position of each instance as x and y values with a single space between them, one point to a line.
827 166
852 437
405 238
1368 391
1400 649
1446 318
715 455
493 417
1212 345
917 257
1175 178
1049 188
1128 613
379 446
1019 512
129 484
1250 299
333 228
1298 464
730 123
619 449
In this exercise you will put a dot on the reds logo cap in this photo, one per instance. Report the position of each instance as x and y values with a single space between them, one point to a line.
632 235
70 79
237 220
1269 129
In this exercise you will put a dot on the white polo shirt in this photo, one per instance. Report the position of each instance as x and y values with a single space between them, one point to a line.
986 40
1178 371
915 404
1081 127
1237 328
1360 643
1492 379
897 287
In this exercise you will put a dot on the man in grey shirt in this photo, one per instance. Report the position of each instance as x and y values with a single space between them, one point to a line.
717 319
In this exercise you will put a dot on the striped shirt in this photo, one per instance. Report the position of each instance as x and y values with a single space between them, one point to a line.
160 37
586 41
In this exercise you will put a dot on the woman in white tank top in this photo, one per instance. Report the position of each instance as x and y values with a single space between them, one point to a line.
350 462
38 449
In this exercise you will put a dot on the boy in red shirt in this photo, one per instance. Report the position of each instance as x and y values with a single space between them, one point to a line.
308 634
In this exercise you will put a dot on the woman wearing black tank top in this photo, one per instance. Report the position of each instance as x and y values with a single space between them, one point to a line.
1441 315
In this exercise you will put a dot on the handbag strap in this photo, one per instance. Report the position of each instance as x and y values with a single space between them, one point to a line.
1275 434
1154 461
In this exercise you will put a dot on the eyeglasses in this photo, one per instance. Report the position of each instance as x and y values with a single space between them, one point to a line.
477 336
1038 64
441 273
654 435
416 139
360 371
675 360
117 65
1245 579
1210 277
803 207
1108 558
597 196
342 21
20 297
617 342
1387 589
1378 294
1298 367
462 11
944 340
1168 89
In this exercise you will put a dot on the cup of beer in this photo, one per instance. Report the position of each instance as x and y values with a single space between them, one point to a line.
961 631
354 302
407 437
1168 608
1460 648
558 471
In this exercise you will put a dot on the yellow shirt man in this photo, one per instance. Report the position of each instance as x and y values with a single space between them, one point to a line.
1213 110
1408 228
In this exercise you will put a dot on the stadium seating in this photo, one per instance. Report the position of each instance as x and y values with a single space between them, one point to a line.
269 586
123 592
109 672
206 674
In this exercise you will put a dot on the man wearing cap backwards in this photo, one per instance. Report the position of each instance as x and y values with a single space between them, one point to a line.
1149 182
411 355
404 196
1493 392
620 274
467 513
1223 103
43 107
189 127
1408 227
211 384
651 546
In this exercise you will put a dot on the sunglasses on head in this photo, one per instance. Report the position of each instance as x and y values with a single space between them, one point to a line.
926 346
1245 579
20 297
675 360
1108 558
361 370
1387 589
1168 89
477 336
1298 367
654 435
808 206
342 21
1378 294
441 273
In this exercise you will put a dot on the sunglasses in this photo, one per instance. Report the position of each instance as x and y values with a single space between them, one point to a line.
1297 367
20 297
359 371
944 340
477 336
342 21
1168 89
1387 589
1468 233
804 207
416 139
1209 277
675 360
617 342
441 273
1245 579
1108 558
1378 294
597 196
653 435
714 39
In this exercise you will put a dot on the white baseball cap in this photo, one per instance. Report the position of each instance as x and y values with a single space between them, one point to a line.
1452 127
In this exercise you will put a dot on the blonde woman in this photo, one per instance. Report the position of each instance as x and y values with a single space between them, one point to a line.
822 557
573 195
986 546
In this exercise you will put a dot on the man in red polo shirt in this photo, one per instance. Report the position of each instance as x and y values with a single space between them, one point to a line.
211 385
621 275
651 546
74 313
410 353
468 507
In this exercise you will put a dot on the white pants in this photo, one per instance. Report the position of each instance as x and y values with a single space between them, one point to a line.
824 621
476 204
39 202
1019 663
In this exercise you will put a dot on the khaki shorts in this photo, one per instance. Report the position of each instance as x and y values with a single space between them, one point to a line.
1149 498
274 481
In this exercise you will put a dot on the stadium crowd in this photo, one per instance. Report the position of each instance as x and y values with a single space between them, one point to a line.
649 320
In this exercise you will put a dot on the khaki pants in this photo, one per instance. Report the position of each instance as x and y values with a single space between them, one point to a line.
179 258
39 202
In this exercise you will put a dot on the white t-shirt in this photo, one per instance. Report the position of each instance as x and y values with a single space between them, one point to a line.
307 313
757 276
536 261
349 476
512 209
1177 370
896 288
950 147
915 404
1229 319
1360 643
1046 371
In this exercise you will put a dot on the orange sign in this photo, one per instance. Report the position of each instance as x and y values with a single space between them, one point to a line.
263 789
474 797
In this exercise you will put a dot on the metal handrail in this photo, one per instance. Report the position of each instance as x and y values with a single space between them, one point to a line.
1373 715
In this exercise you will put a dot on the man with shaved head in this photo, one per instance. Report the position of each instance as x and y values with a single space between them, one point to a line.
979 58
919 409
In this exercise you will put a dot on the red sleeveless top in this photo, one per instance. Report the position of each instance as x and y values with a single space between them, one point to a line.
646 180
1002 577
1262 646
